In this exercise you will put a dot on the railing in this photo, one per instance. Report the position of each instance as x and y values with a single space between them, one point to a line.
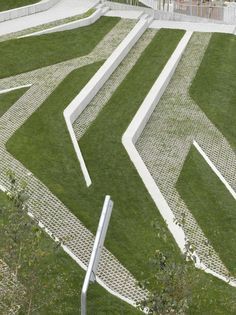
205 11
180 10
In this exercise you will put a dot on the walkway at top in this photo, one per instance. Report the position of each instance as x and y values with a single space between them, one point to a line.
189 26
68 8
64 9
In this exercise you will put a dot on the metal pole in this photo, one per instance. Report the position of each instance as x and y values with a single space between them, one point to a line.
84 298
97 249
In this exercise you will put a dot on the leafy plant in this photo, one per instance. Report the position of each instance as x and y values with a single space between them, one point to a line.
170 282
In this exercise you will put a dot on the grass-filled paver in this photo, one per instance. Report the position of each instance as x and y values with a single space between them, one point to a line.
30 53
9 98
211 204
12 4
214 87
130 236
61 287
106 159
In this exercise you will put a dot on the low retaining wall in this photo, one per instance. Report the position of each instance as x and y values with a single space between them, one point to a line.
72 25
15 88
27 10
145 111
132 134
214 169
76 107
135 129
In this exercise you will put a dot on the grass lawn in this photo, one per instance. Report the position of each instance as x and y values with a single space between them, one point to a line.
7 99
130 236
12 4
65 272
30 53
211 204
214 87
107 161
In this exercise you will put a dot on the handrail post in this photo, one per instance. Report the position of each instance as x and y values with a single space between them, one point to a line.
96 252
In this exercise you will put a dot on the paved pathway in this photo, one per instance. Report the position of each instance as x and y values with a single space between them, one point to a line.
63 9
168 136
53 214
195 27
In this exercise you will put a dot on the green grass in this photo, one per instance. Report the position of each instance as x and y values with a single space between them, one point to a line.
44 26
71 278
211 204
211 296
25 54
7 99
214 87
130 236
12 4
108 164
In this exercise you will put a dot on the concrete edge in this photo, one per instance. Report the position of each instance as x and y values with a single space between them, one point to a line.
27 10
133 132
214 169
71 25
15 88
79 103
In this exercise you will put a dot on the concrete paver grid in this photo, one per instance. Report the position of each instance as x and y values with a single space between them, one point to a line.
43 204
99 101
168 136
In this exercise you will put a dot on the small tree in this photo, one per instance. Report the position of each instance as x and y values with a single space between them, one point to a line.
170 283
23 247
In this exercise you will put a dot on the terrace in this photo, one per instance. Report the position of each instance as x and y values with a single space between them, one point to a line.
154 116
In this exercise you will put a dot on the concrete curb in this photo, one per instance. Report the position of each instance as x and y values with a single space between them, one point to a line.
15 88
135 129
132 134
214 169
72 25
75 108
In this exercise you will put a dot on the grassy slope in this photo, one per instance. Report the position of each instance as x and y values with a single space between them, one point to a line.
7 99
214 87
108 163
72 276
211 204
130 236
12 4
22 55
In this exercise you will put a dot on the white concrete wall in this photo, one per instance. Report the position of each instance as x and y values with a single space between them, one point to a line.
72 25
27 10
158 88
135 129
133 132
76 107
214 169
